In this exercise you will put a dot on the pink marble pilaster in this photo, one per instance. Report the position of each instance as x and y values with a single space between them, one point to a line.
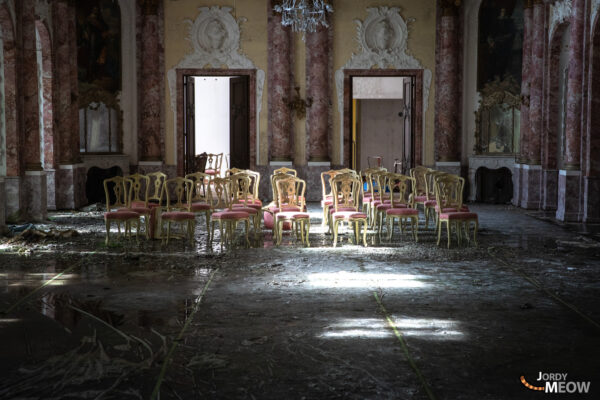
13 164
447 140
536 80
574 88
29 85
150 82
74 116
525 84
62 58
45 46
318 74
279 81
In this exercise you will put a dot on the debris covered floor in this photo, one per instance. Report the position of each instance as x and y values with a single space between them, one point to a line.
390 321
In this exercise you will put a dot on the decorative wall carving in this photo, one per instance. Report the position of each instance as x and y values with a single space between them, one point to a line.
561 12
383 39
215 38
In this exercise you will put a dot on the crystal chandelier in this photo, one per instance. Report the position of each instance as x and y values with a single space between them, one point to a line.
303 15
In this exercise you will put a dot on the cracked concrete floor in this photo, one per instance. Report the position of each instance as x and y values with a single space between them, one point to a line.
399 320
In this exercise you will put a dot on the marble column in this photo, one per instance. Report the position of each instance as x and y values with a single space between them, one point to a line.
525 96
279 81
318 78
531 180
34 200
447 139
70 174
570 179
150 83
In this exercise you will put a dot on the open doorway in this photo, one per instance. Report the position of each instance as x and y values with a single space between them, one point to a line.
382 122
216 119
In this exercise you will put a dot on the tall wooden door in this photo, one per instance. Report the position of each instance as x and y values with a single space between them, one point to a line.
239 123
408 155
189 131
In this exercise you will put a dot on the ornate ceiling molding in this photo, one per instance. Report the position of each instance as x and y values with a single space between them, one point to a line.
383 40
215 39
562 11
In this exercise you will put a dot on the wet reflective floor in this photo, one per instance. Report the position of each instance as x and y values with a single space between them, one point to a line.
393 320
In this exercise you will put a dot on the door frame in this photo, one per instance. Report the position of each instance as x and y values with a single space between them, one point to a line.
251 75
417 74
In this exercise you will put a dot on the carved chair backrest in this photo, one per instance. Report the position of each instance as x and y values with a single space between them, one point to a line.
157 181
448 191
118 192
221 193
291 191
430 176
213 162
201 189
274 178
346 188
140 188
255 181
401 187
240 187
325 178
286 170
177 192
418 173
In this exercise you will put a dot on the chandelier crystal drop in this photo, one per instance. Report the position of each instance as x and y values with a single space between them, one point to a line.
304 15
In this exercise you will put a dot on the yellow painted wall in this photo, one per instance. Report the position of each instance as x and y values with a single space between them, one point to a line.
421 45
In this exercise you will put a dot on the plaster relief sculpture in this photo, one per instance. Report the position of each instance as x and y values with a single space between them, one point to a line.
382 37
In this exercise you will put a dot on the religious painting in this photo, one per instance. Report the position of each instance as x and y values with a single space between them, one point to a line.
99 44
500 44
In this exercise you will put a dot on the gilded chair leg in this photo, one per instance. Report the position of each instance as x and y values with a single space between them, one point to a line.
247 224
439 234
448 229
278 230
207 216
107 232
168 231
307 232
364 238
475 232
391 221
335 232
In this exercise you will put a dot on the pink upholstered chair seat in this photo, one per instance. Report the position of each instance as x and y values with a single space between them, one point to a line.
458 215
210 172
452 209
420 199
230 215
327 202
200 206
251 202
122 215
253 206
342 209
348 215
177 215
141 209
291 215
402 211
387 206
248 210
138 204
430 203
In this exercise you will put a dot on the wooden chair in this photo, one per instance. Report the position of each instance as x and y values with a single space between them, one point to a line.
178 195
346 188
286 170
367 193
201 196
291 192
402 205
431 204
118 198
420 187
327 195
157 181
274 207
240 184
213 164
228 217
448 190
140 189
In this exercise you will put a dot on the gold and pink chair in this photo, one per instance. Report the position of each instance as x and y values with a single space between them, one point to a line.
118 199
451 211
402 207
177 193
346 189
291 191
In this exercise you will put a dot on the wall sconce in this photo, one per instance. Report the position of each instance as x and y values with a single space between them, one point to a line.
298 104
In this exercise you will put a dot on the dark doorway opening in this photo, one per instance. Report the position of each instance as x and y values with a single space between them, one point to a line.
494 185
